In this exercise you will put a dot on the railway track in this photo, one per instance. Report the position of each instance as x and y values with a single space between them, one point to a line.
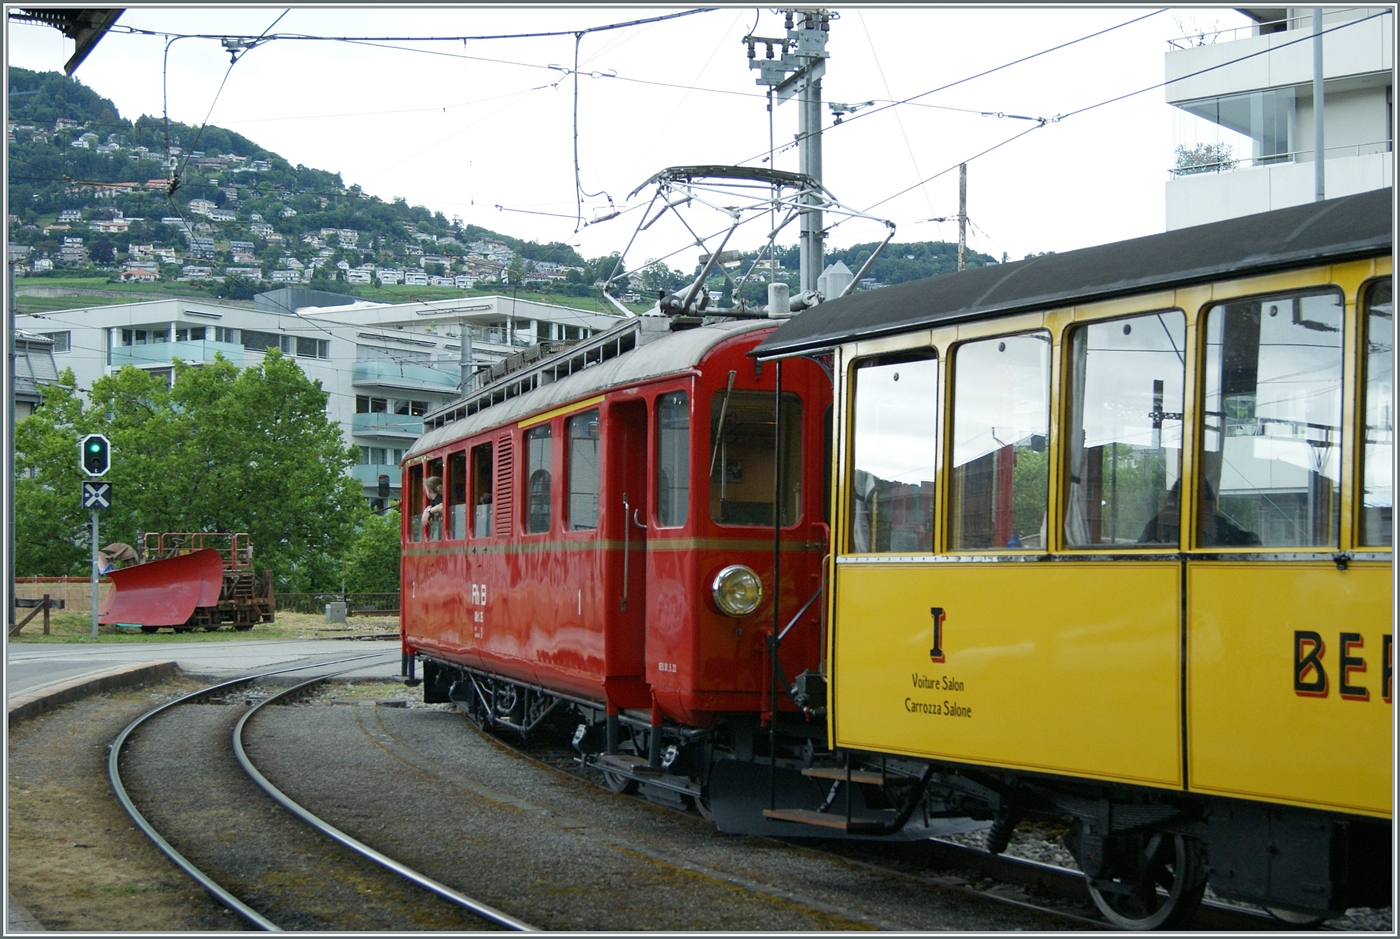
422 786
221 829
1047 888
616 863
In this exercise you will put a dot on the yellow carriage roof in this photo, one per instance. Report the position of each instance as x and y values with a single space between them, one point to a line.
1334 230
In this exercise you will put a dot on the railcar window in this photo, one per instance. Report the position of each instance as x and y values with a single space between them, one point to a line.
538 466
583 471
895 447
1380 417
1001 421
415 501
741 458
481 490
672 458
1273 410
431 519
457 494
1124 437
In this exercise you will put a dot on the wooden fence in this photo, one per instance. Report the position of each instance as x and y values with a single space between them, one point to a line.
356 604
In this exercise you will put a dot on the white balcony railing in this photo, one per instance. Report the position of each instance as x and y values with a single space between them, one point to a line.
1299 21
1295 156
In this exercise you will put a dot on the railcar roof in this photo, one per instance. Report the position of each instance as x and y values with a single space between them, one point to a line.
665 356
1334 230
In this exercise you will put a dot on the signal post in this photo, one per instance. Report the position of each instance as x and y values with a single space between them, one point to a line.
95 457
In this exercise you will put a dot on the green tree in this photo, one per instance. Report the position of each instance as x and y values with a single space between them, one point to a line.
50 528
222 450
372 563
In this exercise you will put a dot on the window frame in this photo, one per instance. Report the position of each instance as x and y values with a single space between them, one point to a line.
1348 395
541 431
569 525
1052 517
912 354
481 455
455 494
434 466
413 496
1063 428
687 461
1362 345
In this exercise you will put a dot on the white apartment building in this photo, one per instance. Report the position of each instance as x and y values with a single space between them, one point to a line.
383 366
1246 121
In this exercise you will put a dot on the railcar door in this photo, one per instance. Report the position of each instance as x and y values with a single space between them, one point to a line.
622 519
1290 630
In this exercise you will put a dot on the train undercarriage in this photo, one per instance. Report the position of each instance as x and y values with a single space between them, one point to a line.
1147 856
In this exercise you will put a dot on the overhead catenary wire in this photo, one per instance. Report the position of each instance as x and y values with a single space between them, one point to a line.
544 34
1115 99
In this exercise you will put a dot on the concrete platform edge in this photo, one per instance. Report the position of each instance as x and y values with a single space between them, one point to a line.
18 919
33 703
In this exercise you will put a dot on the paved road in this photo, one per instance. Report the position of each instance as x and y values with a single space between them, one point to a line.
28 668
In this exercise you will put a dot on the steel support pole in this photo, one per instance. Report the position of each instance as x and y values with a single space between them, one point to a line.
1319 151
9 483
465 358
94 574
809 148
962 216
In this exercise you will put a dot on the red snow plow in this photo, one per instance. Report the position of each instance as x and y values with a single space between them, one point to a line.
190 580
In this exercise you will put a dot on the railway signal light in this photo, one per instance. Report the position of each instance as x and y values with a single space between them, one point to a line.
383 486
96 455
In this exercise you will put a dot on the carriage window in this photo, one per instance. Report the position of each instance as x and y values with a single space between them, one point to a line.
1001 421
895 444
1380 417
1273 409
457 494
415 500
672 458
430 522
537 475
1124 436
583 471
741 458
481 490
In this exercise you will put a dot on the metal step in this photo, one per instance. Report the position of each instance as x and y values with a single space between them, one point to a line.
629 763
826 820
839 772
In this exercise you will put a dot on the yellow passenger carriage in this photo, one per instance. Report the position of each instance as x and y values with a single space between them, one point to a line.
1111 541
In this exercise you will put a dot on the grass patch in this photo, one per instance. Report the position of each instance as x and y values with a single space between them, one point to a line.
75 627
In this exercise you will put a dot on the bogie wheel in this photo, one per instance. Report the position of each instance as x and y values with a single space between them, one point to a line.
184 629
148 630
618 783
1300 920
210 629
243 627
1165 892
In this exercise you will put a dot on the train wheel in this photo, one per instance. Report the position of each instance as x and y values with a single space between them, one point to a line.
618 783
148 630
243 627
1295 919
1165 891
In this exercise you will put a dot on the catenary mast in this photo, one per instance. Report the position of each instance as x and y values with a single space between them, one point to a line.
797 69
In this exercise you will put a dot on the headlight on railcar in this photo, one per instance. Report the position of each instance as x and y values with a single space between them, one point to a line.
737 590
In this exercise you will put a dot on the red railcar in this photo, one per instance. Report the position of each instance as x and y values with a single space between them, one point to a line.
599 511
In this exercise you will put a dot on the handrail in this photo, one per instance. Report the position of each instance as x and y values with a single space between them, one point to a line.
1274 159
1303 21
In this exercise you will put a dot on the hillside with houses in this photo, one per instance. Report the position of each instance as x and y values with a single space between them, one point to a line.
148 202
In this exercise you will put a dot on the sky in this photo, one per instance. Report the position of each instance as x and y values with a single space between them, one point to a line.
484 130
